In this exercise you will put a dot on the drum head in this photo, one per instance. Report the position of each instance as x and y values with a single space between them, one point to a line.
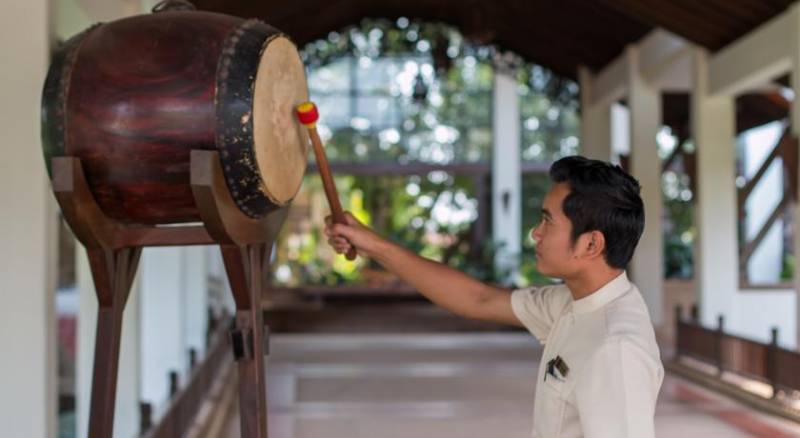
280 142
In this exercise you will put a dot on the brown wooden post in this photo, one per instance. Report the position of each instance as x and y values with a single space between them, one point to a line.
625 162
173 383
718 345
481 225
145 417
113 272
690 167
212 325
678 318
790 167
694 313
245 266
772 361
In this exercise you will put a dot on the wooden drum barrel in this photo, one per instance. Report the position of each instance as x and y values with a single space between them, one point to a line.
133 98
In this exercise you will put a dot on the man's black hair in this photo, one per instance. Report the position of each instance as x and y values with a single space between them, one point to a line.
602 198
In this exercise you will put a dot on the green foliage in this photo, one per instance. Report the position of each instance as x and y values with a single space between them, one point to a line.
678 221
362 78
787 267
550 119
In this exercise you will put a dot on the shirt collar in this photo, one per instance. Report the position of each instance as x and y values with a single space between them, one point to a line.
606 294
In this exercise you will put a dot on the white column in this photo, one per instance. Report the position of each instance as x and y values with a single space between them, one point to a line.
595 121
716 253
28 223
506 176
620 130
644 101
162 322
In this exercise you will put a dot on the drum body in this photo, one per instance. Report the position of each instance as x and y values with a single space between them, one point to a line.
133 98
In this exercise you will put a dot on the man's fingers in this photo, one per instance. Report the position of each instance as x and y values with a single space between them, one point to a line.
338 241
339 235
341 249
341 230
339 244
350 219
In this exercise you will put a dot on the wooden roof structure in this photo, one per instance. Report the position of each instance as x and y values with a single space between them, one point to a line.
558 35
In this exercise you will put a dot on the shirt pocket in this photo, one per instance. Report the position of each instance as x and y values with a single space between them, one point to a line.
553 404
555 387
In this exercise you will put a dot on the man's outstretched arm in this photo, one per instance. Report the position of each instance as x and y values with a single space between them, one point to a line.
445 286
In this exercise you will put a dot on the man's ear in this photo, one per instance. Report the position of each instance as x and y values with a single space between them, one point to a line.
595 244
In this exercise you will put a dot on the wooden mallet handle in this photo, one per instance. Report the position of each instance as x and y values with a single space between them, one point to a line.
308 115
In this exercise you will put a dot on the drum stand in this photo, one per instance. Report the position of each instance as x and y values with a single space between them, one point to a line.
114 249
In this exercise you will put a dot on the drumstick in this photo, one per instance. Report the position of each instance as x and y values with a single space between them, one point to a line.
308 115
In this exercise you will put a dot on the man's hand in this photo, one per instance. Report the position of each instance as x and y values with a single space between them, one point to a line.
352 234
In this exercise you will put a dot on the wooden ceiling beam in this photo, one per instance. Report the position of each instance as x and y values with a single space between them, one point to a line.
582 42
742 10
671 17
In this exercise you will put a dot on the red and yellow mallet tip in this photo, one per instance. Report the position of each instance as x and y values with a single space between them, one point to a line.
307 114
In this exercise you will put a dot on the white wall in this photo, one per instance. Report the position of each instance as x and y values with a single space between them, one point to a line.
173 313
196 290
754 312
28 224
163 334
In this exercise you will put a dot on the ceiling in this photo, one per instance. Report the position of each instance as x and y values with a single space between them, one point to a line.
560 35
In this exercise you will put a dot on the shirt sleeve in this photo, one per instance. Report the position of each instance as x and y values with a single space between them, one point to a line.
617 390
538 308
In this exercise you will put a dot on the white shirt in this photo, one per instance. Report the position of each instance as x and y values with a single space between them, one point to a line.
608 345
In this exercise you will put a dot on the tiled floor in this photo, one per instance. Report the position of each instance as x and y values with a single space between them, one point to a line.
450 385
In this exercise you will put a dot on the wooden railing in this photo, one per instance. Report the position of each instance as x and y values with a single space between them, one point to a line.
185 401
769 363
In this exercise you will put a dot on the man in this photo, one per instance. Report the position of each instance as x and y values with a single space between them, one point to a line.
601 369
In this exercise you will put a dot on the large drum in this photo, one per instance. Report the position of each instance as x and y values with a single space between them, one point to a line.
133 98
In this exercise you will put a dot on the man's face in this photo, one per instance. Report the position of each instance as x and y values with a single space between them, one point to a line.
554 248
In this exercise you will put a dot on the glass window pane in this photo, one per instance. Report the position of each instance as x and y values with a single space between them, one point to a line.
334 111
375 75
330 78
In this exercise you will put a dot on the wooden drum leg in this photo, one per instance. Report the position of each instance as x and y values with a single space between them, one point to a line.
113 272
246 266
